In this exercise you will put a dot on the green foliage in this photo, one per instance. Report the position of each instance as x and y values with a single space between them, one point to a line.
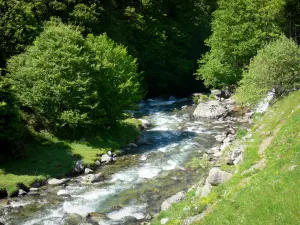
199 163
276 66
202 98
166 38
69 81
239 29
240 133
10 123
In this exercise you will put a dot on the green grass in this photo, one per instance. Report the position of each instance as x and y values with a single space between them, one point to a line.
48 156
267 196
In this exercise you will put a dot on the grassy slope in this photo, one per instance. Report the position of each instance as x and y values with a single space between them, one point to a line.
267 196
50 157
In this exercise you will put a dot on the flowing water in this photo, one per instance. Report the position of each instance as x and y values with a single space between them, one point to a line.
138 182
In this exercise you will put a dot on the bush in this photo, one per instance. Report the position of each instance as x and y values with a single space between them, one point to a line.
9 121
69 81
276 66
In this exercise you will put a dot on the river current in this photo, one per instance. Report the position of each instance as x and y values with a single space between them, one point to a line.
141 180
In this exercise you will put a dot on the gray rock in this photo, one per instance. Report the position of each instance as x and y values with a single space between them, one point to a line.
95 217
145 123
218 154
220 137
230 130
213 150
109 153
88 171
36 185
211 109
142 141
164 220
148 217
216 93
63 193
224 146
238 160
55 181
79 167
34 189
132 145
106 158
229 138
22 192
172 98
192 219
71 219
217 176
98 163
206 189
93 178
174 199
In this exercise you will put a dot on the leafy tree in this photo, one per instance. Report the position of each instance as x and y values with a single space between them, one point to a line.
276 66
239 29
10 124
69 81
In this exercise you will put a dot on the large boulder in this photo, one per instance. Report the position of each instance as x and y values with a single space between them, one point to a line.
217 176
106 158
63 193
145 123
79 167
174 199
93 178
72 219
211 109
55 181
204 191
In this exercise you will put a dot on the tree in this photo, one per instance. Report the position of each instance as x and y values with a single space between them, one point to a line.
239 29
68 81
10 123
276 66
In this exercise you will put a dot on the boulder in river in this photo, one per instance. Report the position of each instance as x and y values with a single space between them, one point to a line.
211 109
217 176
71 219
63 193
93 178
174 199
22 192
142 141
106 158
88 171
79 167
145 123
55 181
95 217
132 145
172 98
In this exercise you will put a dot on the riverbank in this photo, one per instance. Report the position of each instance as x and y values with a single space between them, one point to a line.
264 184
132 188
51 157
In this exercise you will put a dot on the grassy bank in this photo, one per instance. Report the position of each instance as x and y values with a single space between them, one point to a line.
265 189
47 156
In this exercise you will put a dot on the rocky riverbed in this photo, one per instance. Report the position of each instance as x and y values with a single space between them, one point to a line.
131 188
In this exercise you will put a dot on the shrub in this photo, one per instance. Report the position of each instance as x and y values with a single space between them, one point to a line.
276 66
69 81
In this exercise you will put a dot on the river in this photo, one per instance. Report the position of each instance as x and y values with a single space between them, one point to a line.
138 182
